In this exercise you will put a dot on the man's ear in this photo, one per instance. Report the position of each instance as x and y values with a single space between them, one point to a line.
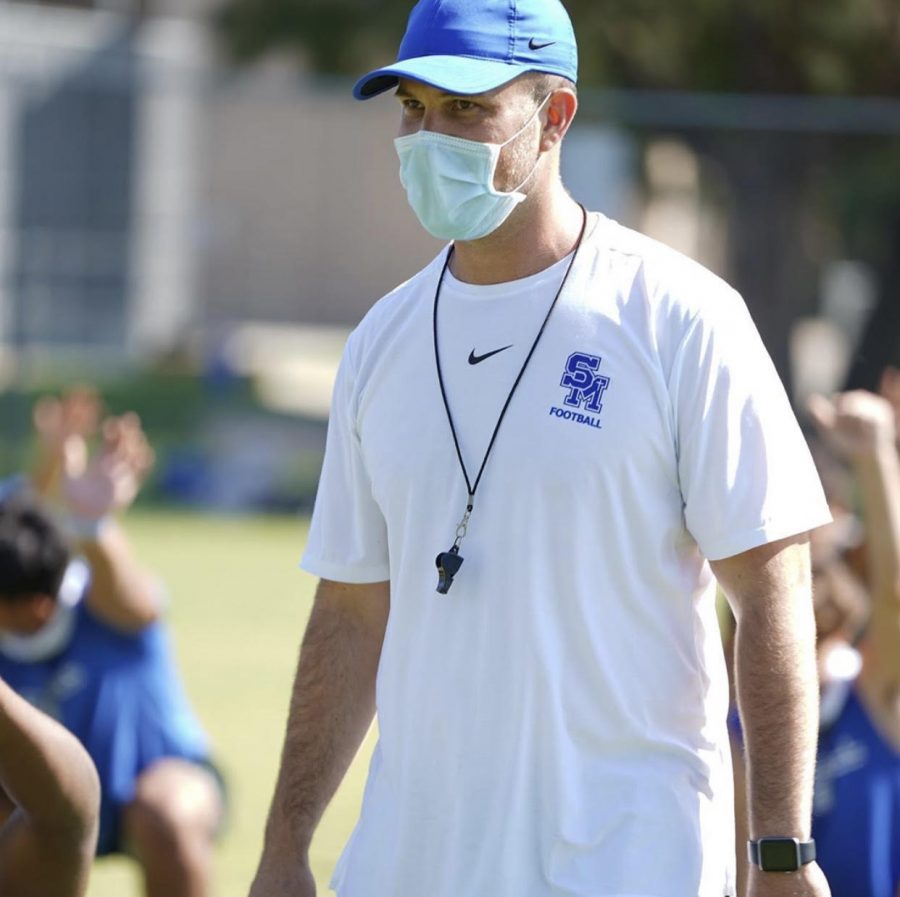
561 109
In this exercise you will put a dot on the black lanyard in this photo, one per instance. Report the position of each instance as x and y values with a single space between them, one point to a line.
448 562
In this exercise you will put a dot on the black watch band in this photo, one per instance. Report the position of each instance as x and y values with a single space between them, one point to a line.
781 854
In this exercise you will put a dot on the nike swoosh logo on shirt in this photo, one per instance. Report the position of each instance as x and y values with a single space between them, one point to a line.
477 359
534 45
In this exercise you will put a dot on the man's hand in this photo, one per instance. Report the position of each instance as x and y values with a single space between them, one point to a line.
806 882
283 879
856 423
111 480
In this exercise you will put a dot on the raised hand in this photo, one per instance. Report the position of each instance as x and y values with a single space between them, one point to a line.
63 426
111 479
856 423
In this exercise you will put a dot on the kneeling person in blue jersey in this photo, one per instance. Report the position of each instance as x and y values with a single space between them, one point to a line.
80 637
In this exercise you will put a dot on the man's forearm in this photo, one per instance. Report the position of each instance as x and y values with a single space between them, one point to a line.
332 706
777 694
878 475
122 593
777 689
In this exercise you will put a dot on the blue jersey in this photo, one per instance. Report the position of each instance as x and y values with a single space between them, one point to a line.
120 695
856 817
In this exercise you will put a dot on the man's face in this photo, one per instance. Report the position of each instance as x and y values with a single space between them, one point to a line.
492 117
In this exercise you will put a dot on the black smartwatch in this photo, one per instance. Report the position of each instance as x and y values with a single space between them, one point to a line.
781 854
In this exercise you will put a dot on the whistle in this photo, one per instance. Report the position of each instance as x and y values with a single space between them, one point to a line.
448 564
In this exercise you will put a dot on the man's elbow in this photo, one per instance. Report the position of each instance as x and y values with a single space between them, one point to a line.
138 619
129 610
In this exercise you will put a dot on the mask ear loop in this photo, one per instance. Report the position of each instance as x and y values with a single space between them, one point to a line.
531 118
498 148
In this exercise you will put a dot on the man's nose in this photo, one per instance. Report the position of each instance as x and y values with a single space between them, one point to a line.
429 121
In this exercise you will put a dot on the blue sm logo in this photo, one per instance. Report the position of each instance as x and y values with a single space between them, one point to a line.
585 385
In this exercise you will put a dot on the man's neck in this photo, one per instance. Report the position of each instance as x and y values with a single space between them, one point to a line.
532 239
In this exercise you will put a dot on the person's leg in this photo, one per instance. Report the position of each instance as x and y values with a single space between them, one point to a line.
170 827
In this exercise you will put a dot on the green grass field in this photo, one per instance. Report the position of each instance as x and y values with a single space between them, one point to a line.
239 604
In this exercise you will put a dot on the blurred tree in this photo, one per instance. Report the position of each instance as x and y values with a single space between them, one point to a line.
849 47
770 46
338 37
866 190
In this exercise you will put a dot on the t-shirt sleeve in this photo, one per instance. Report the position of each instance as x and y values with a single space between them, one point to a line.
747 476
348 537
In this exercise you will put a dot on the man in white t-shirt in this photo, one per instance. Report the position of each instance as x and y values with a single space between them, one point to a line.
542 450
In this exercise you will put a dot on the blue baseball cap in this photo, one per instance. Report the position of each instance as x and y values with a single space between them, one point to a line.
473 46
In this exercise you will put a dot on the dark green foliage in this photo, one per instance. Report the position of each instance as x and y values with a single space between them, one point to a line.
337 37
848 47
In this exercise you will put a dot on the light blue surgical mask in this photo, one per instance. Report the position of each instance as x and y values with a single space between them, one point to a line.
449 183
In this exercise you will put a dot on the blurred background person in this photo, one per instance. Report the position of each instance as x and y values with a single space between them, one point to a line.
49 794
81 638
857 799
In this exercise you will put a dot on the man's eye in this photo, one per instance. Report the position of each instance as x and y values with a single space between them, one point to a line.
411 105
463 105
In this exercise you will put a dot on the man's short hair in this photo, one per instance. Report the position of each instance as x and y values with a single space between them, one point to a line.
33 551
543 83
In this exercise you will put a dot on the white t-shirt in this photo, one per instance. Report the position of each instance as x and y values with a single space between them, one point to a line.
555 725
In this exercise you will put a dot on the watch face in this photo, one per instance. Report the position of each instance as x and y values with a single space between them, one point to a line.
779 855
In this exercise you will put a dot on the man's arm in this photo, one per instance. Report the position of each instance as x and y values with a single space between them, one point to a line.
47 845
879 477
769 589
122 593
332 706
